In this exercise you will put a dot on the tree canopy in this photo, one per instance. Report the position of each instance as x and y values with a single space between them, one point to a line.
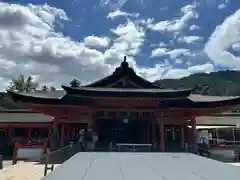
23 84
75 83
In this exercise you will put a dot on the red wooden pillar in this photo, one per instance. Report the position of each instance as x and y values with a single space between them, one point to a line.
173 133
9 132
29 135
68 132
162 137
62 134
148 131
194 131
154 134
182 136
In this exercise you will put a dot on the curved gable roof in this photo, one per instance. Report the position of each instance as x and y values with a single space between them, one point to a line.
124 72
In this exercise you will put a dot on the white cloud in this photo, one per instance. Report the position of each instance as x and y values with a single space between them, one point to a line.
224 37
190 39
30 45
113 15
161 71
113 4
179 73
159 52
96 42
176 25
175 53
130 38
194 27
236 46
222 6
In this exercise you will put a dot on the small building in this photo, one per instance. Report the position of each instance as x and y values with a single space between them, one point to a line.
123 107
22 126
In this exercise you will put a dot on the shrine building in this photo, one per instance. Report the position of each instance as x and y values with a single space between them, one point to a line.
125 108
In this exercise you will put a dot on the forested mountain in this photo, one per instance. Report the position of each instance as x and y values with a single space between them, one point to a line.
222 83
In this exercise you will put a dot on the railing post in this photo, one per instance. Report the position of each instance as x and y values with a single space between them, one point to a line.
46 167
186 147
110 146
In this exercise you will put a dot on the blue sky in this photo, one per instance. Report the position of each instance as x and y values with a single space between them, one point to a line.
57 40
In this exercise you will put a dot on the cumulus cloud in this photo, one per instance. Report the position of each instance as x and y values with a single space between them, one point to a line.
115 14
179 73
176 25
129 40
236 46
224 37
190 39
30 45
159 52
175 53
113 4
96 42
194 27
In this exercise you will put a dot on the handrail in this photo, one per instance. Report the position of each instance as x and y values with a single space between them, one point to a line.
46 154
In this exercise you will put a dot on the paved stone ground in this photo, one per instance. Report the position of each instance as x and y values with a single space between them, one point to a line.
23 171
7 163
235 164
142 166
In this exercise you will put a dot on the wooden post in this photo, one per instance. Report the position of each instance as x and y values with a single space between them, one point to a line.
148 132
182 136
173 133
29 135
194 132
10 132
62 135
154 134
68 132
162 137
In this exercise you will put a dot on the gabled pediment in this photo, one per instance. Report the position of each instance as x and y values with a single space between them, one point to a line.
123 77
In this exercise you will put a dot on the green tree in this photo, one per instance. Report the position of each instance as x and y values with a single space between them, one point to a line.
75 83
23 84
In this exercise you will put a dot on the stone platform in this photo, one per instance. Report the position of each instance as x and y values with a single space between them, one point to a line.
142 166
22 171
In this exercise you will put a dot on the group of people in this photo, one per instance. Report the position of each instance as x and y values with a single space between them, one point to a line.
204 139
87 141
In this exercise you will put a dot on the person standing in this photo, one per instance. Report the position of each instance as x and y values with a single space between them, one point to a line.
81 139
95 139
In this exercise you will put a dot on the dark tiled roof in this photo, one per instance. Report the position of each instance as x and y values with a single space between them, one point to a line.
129 90
11 117
48 95
203 98
123 72
129 93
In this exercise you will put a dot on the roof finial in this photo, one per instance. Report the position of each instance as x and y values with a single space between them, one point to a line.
125 59
124 64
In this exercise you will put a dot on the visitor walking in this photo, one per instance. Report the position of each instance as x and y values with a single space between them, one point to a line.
95 139
81 139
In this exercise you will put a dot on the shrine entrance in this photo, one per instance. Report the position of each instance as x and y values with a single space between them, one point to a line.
121 131
173 141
